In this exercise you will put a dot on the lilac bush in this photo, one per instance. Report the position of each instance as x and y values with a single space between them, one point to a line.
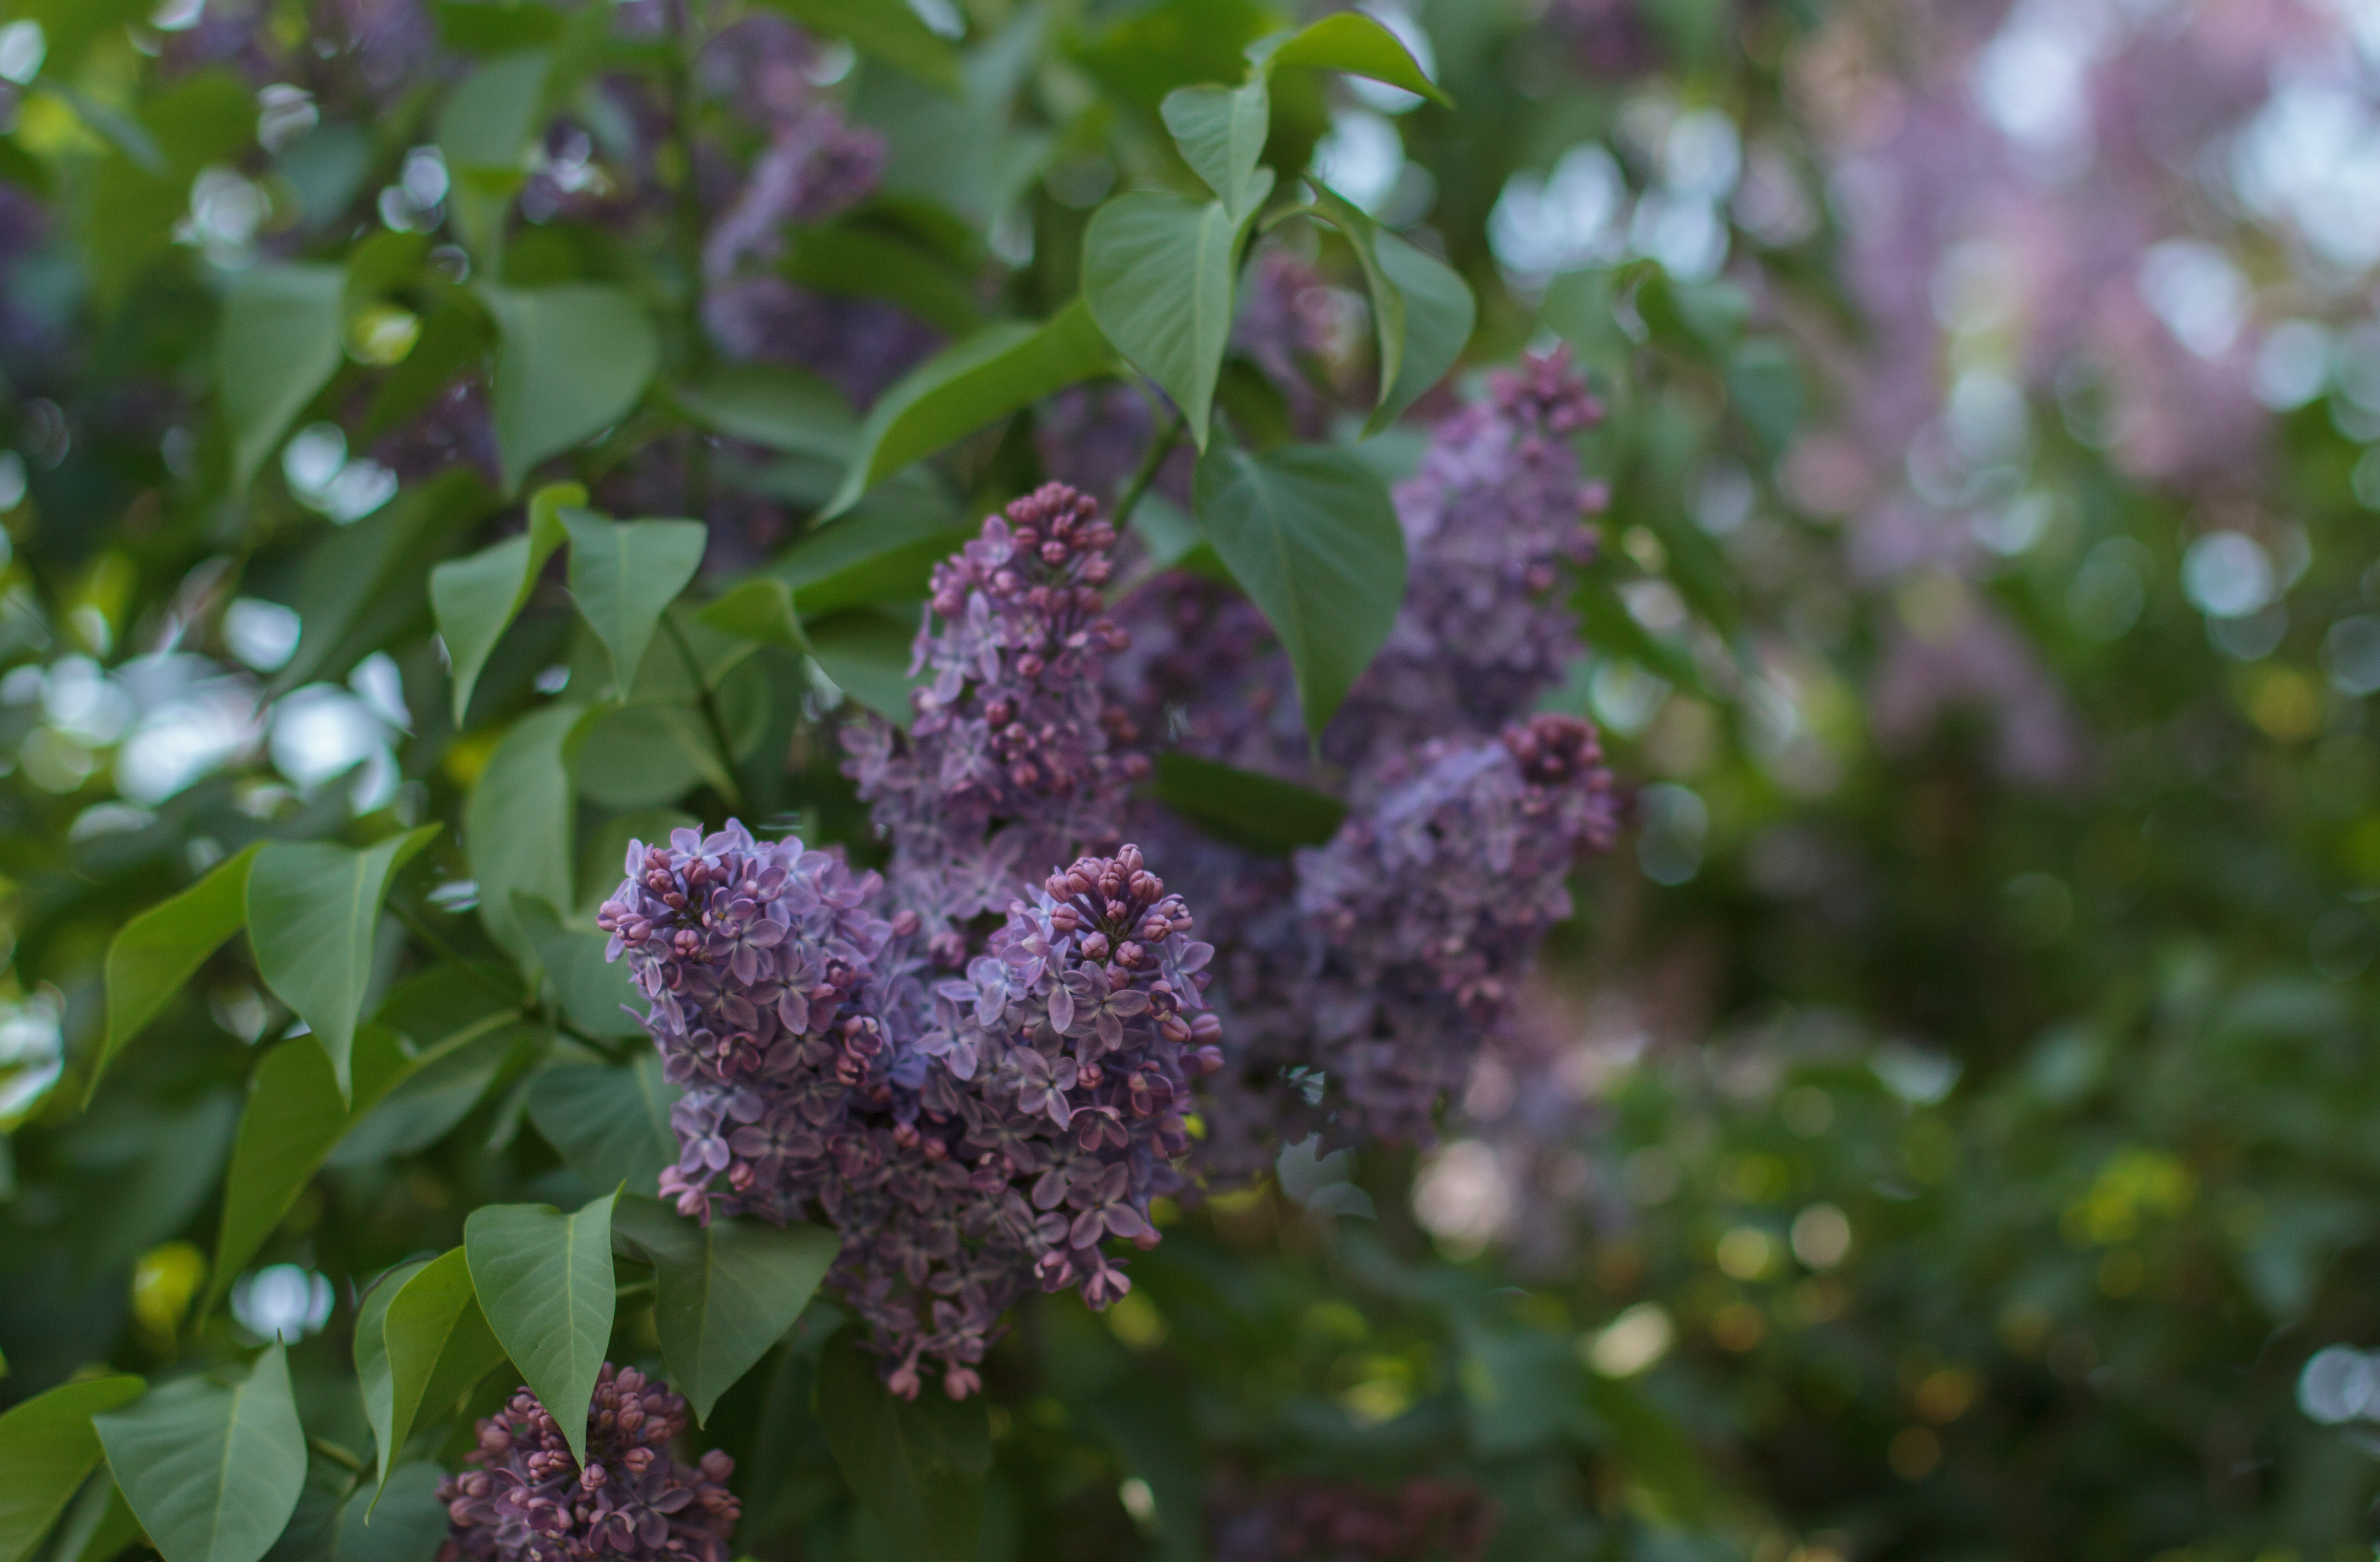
1358 977
526 1499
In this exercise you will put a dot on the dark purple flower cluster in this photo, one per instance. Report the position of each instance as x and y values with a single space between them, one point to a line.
968 1137
527 1499
1359 979
1428 908
1016 754
1493 521
1422 1521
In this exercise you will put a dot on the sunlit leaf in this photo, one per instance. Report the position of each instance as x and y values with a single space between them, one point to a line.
544 1280
1358 45
212 1468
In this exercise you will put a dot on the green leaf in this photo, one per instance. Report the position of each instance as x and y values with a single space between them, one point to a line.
279 341
853 260
295 1116
483 130
1312 536
610 1125
1358 44
1158 272
1764 384
99 1527
592 988
867 654
729 1290
161 949
761 609
1423 311
1221 133
884 30
1247 809
571 362
360 587
990 376
373 1379
477 598
435 1344
885 553
623 575
784 409
918 1465
312 911
47 1446
212 1470
517 829
544 1280
1700 319
402 1522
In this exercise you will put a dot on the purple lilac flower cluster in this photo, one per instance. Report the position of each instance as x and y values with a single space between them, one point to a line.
1359 977
1016 754
966 1136
526 1499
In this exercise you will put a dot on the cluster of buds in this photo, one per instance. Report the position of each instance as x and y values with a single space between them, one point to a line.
1014 754
526 1499
968 1138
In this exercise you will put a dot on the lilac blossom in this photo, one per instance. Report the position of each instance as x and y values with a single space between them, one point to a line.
968 1137
1016 753
527 1499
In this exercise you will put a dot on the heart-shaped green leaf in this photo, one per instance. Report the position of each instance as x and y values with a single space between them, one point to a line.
312 911
623 575
996 372
571 362
773 405
1246 808
279 343
477 598
47 1446
518 830
1221 133
1160 273
918 1465
610 1125
544 1280
212 1468
158 951
729 1289
1358 45
294 1118
1422 311
434 1344
1311 535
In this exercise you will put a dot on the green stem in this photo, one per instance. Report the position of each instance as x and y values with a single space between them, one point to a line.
344 1457
534 1009
710 716
1167 438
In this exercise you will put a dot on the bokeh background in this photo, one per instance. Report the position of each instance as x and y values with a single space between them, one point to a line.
1947 1132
